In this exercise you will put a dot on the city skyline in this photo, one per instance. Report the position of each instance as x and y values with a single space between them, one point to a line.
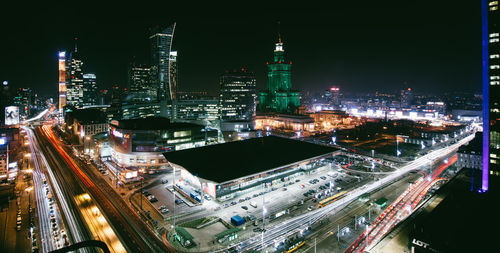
332 47
218 127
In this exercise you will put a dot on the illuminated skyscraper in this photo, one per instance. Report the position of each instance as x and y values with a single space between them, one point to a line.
491 90
333 96
24 99
141 84
161 46
237 96
74 80
279 96
173 74
89 89
406 98
62 80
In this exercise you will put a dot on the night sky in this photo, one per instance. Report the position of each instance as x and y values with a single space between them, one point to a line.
429 46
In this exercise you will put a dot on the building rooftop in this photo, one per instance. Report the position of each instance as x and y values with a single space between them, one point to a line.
87 116
151 123
475 145
223 162
457 222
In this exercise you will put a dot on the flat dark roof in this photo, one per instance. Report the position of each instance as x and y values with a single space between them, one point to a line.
227 161
152 123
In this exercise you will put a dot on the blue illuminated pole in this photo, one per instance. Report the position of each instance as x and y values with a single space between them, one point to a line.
486 108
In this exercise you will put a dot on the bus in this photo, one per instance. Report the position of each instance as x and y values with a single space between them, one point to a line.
332 199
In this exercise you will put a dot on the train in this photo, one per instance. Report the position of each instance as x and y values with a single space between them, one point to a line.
332 199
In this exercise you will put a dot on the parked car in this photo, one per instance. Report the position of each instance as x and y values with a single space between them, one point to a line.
245 207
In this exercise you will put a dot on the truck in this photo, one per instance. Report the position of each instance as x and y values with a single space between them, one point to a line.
237 220
253 204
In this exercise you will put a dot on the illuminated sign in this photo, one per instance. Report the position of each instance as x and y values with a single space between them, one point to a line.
117 133
11 115
3 141
420 243
62 54
131 174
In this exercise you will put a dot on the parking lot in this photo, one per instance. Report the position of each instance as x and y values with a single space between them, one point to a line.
282 200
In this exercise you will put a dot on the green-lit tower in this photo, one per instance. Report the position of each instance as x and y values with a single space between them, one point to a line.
279 96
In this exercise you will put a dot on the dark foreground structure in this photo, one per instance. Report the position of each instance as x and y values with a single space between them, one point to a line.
462 221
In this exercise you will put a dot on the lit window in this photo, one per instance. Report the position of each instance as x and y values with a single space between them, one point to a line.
494 40
494 56
494 8
492 35
493 3
494 67
494 83
494 77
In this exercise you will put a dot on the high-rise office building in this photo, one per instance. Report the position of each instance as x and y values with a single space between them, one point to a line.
161 46
491 90
237 95
333 96
406 98
202 111
279 96
173 77
89 89
141 84
24 99
62 80
74 80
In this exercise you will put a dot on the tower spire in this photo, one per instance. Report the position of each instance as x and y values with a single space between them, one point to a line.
279 33
279 45
76 48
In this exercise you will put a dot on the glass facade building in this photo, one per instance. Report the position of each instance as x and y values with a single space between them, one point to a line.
74 80
89 89
173 77
141 84
237 96
491 90
142 142
161 47
62 80
201 111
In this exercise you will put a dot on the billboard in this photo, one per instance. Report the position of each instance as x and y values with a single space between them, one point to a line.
11 115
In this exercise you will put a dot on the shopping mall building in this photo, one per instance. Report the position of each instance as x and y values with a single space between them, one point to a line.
227 170
141 142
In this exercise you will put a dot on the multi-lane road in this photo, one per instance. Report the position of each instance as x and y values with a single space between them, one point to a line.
280 232
65 212
128 230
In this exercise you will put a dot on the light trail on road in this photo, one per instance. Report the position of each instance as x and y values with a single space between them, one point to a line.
280 231
74 231
133 238
398 210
